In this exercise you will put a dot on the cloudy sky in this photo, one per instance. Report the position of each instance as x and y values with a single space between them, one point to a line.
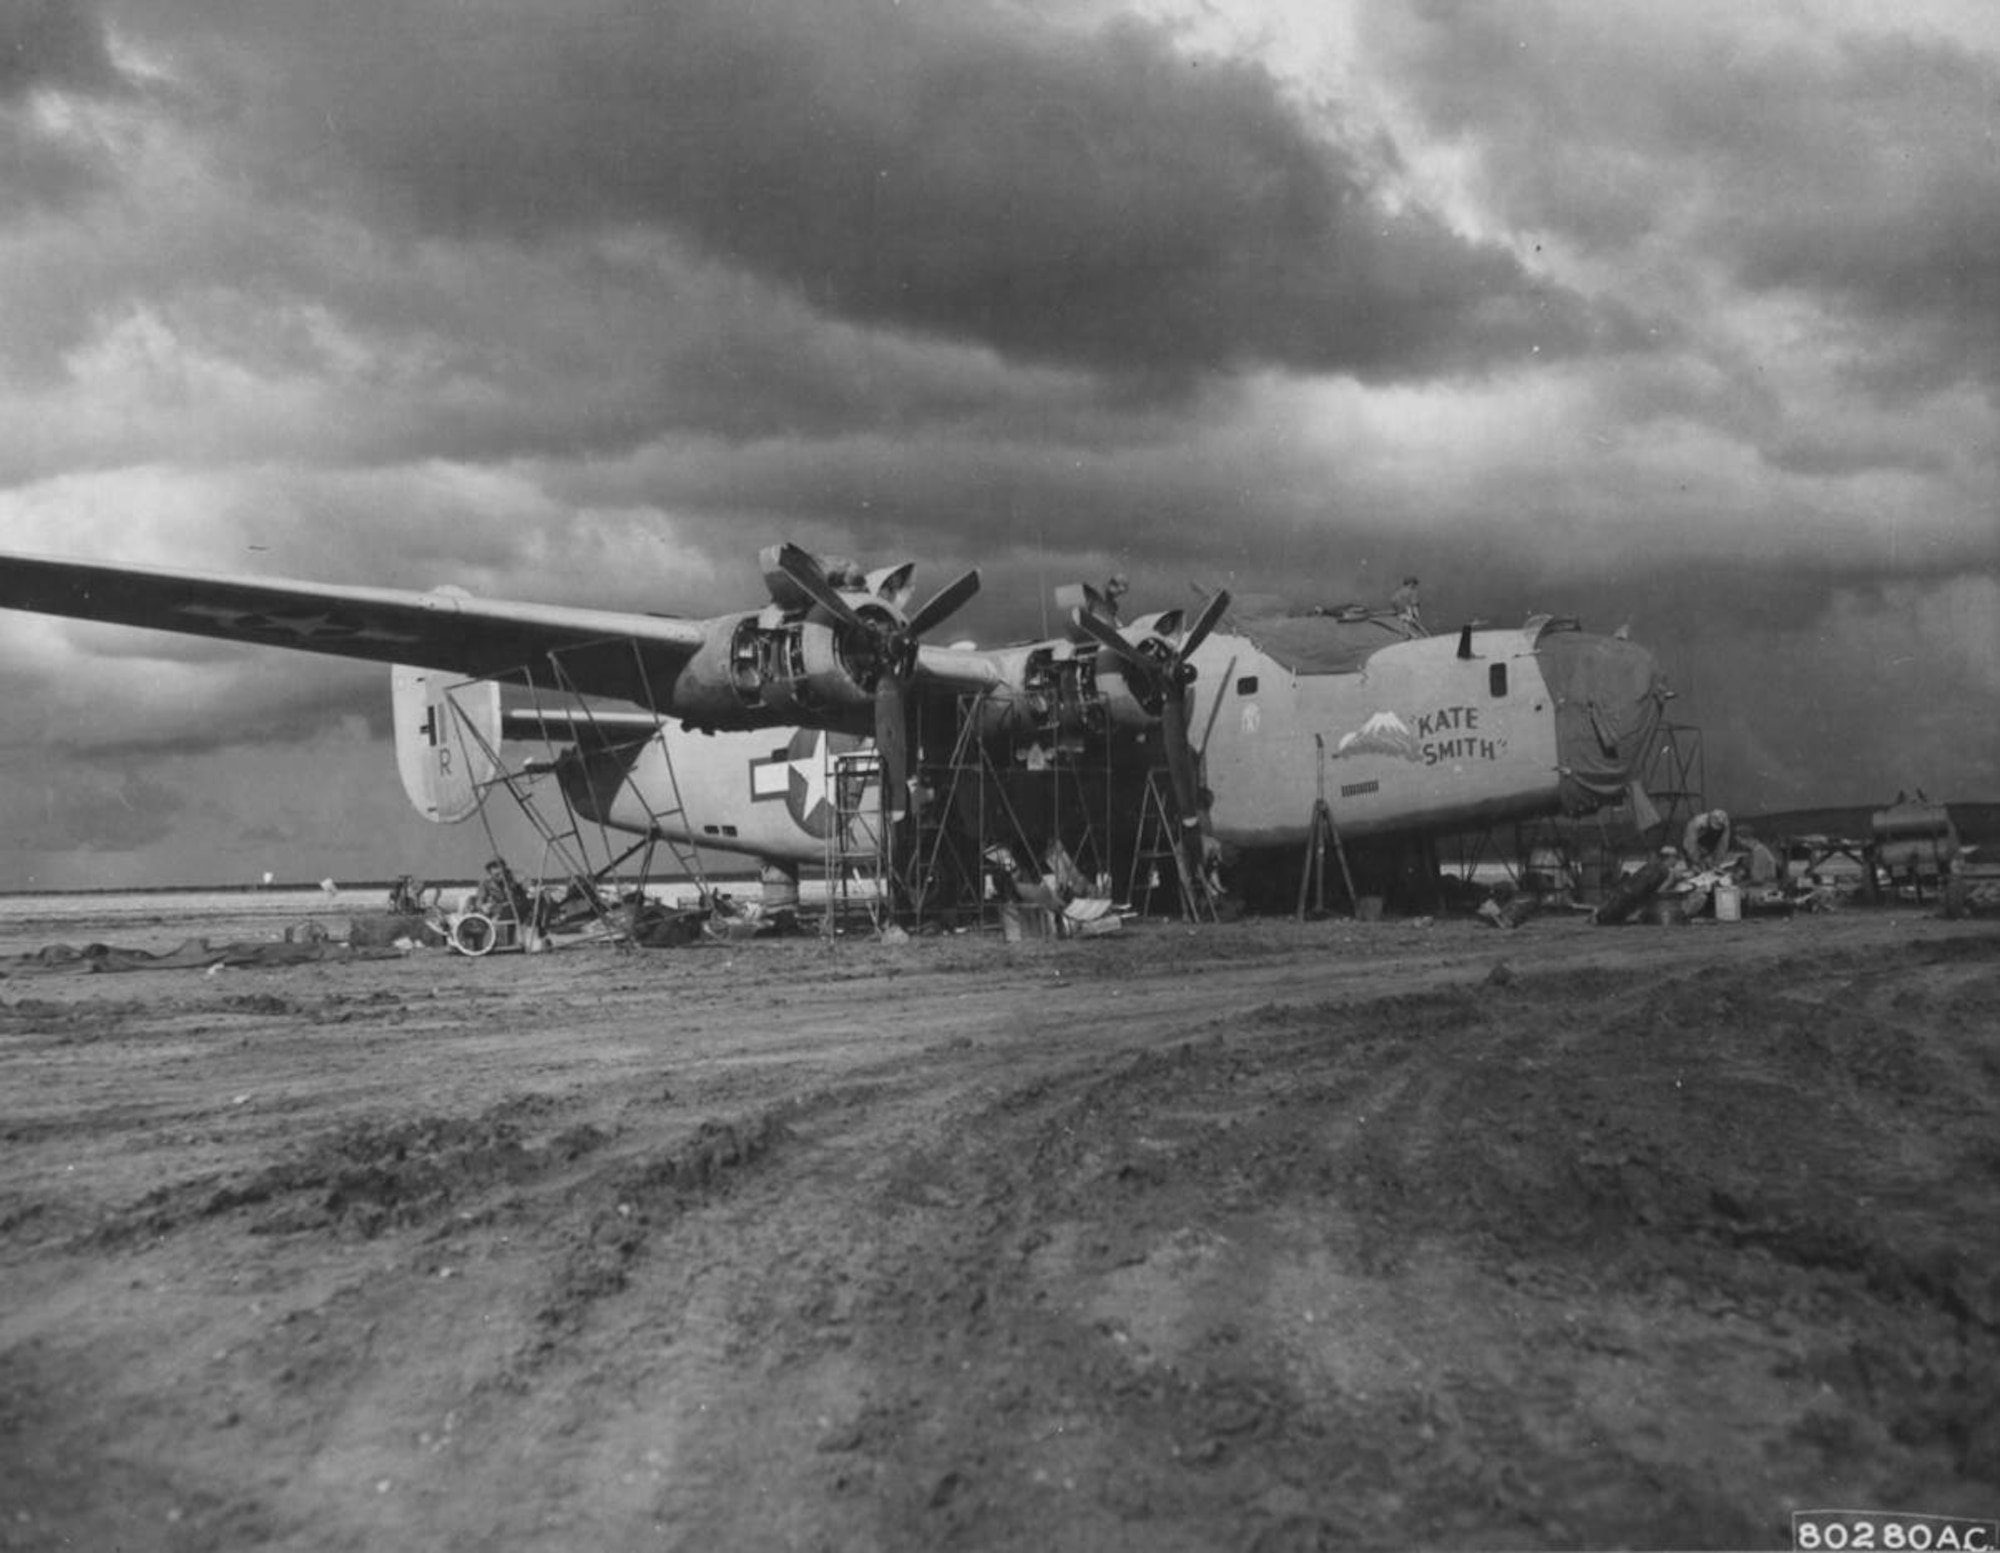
1684 316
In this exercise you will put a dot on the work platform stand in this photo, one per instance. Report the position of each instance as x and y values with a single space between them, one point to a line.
862 875
1158 847
1580 853
951 861
857 865
1589 852
911 878
942 872
566 841
1676 778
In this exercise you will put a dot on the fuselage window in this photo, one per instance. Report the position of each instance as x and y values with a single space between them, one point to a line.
1496 679
1247 685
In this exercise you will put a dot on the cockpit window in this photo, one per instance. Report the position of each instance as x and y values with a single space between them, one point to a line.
1496 679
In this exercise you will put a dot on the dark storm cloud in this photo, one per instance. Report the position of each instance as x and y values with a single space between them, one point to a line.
586 302
1915 247
296 712
38 173
377 352
1102 199
56 44
1874 178
90 810
99 713
48 46
1857 168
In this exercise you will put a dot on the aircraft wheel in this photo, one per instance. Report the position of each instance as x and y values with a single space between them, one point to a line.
474 934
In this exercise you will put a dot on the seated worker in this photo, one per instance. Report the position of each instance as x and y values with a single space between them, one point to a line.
1761 868
500 896
406 896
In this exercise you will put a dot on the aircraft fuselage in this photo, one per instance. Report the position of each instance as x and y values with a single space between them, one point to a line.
1433 734
1418 737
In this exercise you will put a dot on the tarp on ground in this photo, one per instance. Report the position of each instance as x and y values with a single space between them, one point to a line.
194 954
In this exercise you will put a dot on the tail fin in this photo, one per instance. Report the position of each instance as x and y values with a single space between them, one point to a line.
447 738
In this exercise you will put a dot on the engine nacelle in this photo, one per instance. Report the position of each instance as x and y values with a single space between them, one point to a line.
1130 707
801 669
1060 693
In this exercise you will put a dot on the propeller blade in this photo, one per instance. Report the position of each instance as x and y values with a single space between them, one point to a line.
1180 756
1181 772
892 743
1109 638
1204 623
944 603
804 569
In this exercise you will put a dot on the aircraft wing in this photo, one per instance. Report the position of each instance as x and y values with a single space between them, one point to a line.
601 652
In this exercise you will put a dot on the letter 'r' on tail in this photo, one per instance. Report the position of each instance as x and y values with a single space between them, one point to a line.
447 740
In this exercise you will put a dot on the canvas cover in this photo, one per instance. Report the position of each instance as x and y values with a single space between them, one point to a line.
1338 642
1610 701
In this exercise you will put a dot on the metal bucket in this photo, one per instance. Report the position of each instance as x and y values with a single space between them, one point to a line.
1728 903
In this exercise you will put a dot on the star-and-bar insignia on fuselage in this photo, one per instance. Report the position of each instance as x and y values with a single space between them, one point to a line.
800 774
797 774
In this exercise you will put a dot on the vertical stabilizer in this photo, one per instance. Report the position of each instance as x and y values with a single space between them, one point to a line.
447 740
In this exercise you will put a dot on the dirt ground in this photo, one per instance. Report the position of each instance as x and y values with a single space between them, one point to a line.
1266 1236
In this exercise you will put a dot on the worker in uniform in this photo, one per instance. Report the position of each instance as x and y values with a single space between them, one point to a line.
1404 602
1760 863
406 896
500 897
1705 842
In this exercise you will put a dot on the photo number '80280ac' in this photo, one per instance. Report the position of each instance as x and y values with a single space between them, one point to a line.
1891 1531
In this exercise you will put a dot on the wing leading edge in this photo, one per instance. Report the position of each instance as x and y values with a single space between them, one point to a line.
601 652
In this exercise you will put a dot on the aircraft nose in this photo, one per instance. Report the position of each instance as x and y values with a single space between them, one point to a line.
1610 699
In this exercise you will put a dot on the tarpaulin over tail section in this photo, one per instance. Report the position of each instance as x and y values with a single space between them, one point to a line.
1610 700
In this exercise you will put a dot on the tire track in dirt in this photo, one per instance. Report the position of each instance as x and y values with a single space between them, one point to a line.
1151 1243
1583 1214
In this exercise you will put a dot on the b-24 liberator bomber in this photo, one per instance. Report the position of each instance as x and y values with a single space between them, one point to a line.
1251 723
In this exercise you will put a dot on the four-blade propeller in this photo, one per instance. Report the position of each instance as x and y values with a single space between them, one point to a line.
885 642
1164 672
882 642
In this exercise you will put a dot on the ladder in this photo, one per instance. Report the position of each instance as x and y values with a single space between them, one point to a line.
564 839
671 805
1159 844
940 842
563 842
855 873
